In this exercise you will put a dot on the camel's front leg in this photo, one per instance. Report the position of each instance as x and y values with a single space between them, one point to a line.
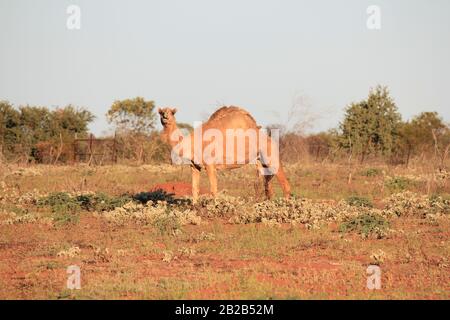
195 183
212 176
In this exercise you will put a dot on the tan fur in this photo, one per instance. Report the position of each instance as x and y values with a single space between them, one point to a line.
224 118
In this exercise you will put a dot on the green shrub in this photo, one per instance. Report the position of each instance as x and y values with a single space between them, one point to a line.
396 184
154 196
367 225
63 202
101 201
371 172
60 202
55 198
359 201
440 203
167 224
65 217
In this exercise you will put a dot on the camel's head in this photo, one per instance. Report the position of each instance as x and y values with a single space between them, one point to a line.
167 115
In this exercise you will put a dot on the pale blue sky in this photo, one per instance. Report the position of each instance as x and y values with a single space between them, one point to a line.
199 54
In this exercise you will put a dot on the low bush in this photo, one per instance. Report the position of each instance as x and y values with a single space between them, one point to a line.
154 196
161 215
66 202
62 218
371 172
397 184
167 224
60 202
359 201
101 201
367 225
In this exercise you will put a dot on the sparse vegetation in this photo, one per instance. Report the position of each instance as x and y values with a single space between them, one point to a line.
167 224
135 233
166 233
359 201
397 184
154 196
371 172
66 202
367 225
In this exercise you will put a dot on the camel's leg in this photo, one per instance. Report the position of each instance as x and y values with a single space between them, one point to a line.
273 166
195 183
283 182
268 186
259 179
212 176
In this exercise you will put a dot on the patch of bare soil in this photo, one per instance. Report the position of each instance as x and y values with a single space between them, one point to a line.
179 189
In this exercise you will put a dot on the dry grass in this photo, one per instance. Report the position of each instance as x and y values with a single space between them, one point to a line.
234 247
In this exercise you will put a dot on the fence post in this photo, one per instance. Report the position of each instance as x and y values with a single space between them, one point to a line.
114 149
90 149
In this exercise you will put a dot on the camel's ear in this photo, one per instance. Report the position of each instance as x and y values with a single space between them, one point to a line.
160 111
174 110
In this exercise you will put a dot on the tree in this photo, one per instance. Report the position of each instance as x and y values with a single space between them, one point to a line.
371 126
36 124
9 128
135 115
72 120
135 119
51 132
31 132
321 145
426 133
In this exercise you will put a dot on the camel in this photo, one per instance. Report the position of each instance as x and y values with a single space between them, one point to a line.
225 151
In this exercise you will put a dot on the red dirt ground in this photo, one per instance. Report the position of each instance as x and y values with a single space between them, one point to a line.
179 189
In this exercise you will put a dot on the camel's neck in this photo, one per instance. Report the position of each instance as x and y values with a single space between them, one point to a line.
168 135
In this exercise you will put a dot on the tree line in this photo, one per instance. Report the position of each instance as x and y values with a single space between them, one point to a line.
32 133
371 129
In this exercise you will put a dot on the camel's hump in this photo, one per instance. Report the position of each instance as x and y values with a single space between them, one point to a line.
225 111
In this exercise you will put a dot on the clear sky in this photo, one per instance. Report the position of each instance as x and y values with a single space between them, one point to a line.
199 54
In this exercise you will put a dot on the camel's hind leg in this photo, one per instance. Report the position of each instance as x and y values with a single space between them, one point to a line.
281 179
268 190
271 165
268 186
195 183
259 179
212 176
281 176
